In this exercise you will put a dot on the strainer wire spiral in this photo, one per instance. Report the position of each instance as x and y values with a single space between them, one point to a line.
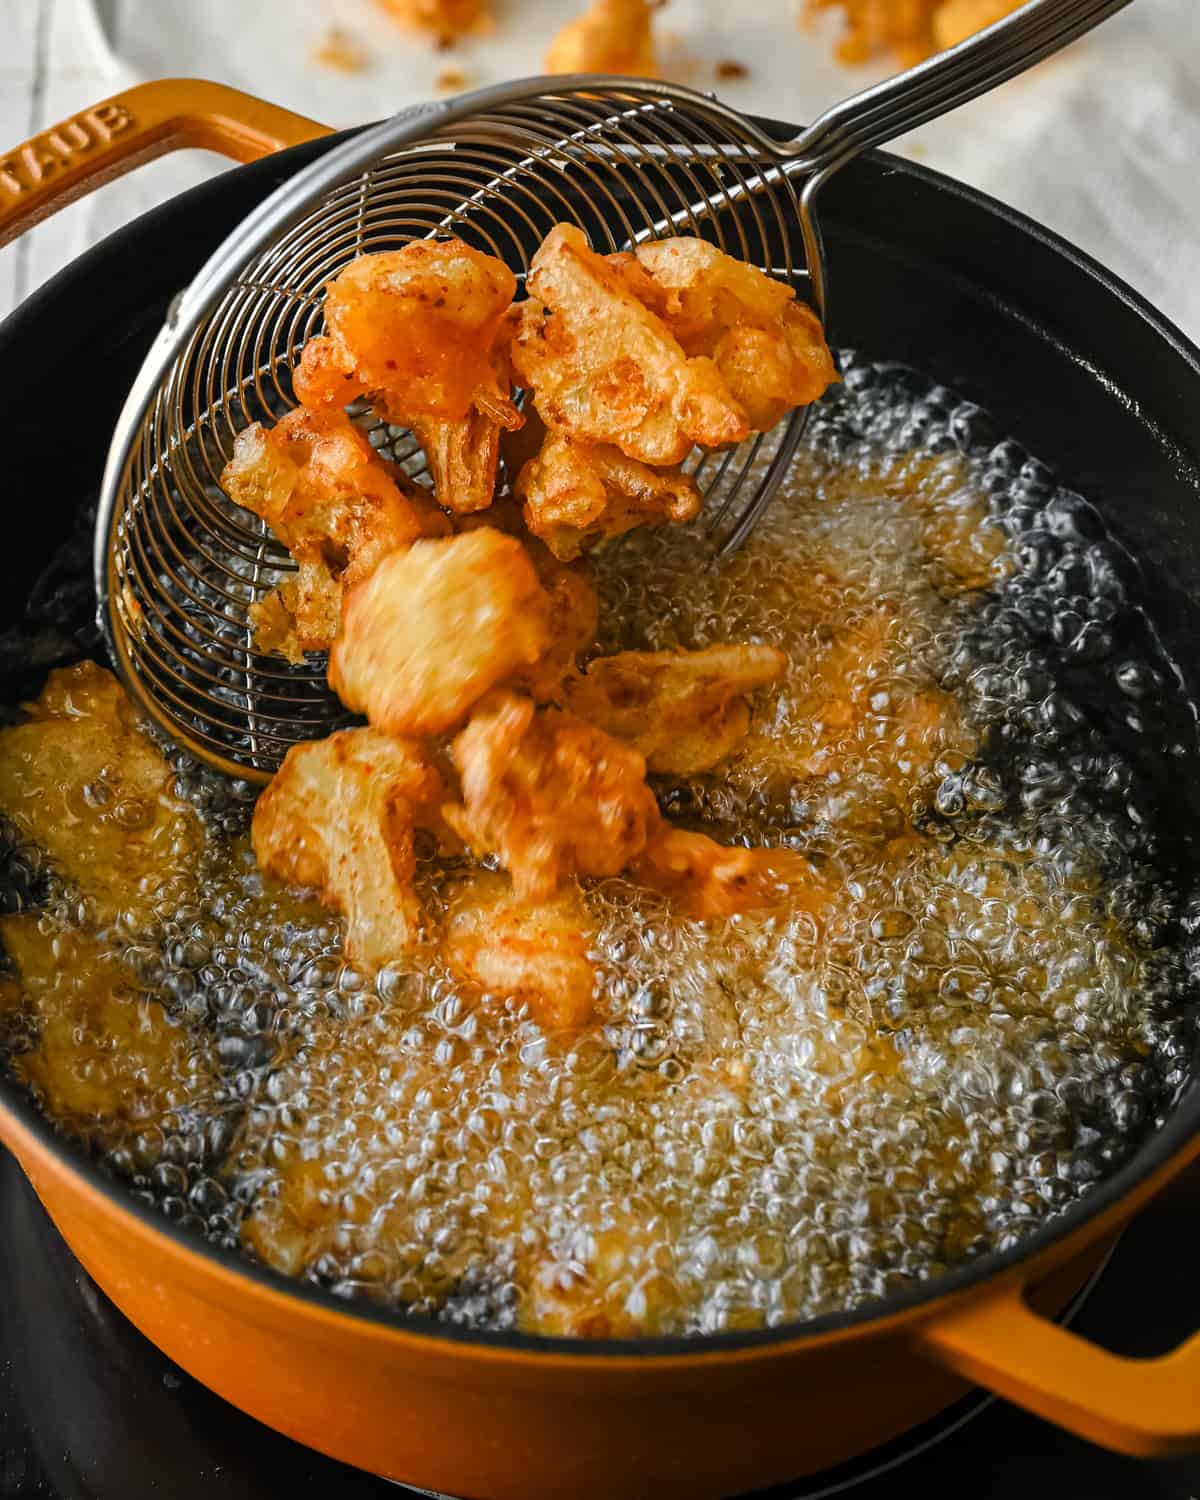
178 565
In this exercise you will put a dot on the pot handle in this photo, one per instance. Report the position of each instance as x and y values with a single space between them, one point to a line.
1146 1407
132 127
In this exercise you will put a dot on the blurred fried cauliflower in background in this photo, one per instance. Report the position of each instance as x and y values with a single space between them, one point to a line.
617 36
443 20
910 30
612 36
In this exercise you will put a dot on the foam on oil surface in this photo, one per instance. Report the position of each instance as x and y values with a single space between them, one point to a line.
766 1124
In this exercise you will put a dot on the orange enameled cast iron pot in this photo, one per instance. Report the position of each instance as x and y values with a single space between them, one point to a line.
1068 361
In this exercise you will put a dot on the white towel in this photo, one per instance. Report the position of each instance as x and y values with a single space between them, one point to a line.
1101 144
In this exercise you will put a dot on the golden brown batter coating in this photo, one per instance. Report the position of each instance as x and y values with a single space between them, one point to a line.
534 953
339 817
685 711
550 795
335 505
769 348
603 368
423 333
573 620
706 879
107 1056
578 493
614 1282
436 626
574 615
82 781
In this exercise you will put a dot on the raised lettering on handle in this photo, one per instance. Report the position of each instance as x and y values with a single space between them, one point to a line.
118 134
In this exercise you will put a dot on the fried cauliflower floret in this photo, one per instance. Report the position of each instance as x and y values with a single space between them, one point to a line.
603 368
550 795
845 699
900 27
769 348
82 781
435 627
535 953
463 454
339 817
610 1282
423 333
577 493
573 619
611 36
685 711
107 1056
909 29
444 20
574 609
706 879
335 505
462 458
955 20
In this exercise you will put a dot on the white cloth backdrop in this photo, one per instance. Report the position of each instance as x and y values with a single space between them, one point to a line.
1101 144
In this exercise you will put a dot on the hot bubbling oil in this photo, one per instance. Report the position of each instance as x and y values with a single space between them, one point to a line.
767 1123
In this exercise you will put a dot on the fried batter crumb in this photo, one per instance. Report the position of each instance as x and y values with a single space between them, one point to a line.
339 51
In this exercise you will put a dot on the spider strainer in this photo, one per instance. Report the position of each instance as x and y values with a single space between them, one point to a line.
178 565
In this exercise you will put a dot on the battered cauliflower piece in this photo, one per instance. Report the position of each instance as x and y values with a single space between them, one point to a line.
462 458
955 20
444 20
685 711
335 505
612 36
573 619
537 954
435 627
706 879
287 1230
82 781
577 493
769 348
108 1059
339 817
862 746
603 368
909 29
612 1282
549 794
463 454
423 333
574 615
839 709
